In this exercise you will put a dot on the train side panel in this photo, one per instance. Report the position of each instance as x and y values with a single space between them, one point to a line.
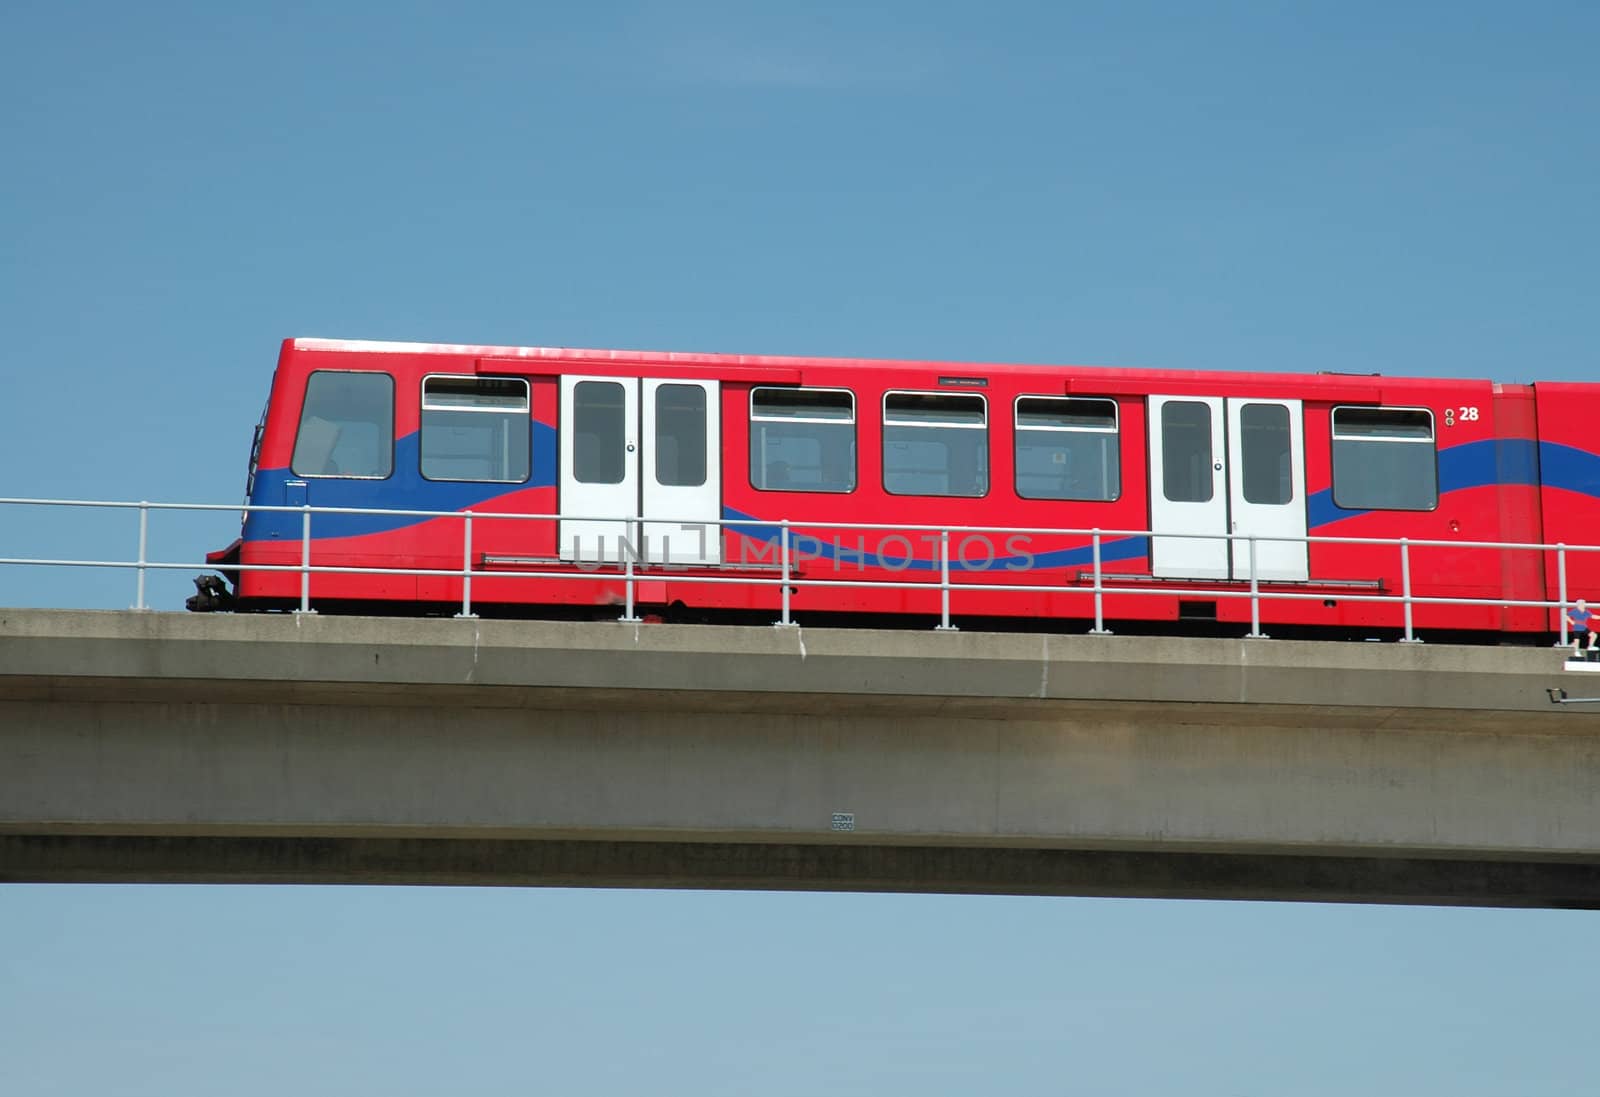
1569 485
1510 463
388 541
1460 507
825 550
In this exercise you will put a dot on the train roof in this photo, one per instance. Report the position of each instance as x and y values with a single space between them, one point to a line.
1133 377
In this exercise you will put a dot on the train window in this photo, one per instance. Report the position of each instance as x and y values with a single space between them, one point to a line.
1264 449
1383 459
346 426
599 431
475 428
1186 455
802 440
1067 448
680 436
935 444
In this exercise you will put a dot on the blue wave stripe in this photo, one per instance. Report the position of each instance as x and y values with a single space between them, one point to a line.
1570 469
404 490
1500 461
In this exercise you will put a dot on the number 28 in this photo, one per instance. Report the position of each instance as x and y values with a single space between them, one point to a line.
1467 412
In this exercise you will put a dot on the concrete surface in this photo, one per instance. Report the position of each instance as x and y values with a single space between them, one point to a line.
143 746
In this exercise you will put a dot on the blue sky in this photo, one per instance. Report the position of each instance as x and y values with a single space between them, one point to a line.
1403 188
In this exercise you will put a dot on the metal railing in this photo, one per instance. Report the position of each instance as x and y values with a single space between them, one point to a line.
790 579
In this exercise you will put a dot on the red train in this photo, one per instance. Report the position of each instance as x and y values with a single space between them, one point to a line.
1024 459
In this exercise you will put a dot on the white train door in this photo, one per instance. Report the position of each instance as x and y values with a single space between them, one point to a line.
640 448
1267 486
599 425
1188 487
1226 466
680 472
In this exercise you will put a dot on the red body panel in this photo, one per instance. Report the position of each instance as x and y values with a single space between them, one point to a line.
1492 442
1569 494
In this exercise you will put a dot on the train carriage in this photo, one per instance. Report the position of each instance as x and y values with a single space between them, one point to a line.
691 473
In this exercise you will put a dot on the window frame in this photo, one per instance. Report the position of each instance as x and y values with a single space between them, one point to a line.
1115 431
855 434
1245 404
300 423
422 408
570 423
883 447
1432 441
1214 428
705 450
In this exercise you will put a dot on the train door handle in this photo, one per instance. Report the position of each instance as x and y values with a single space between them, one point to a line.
1217 467
630 447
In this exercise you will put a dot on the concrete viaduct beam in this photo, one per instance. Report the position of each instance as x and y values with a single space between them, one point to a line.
166 747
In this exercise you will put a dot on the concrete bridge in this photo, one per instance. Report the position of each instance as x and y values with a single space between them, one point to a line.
312 749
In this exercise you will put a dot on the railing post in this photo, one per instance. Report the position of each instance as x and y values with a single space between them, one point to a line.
628 615
144 540
783 539
1561 578
466 566
305 558
1255 632
944 583
1405 587
1099 594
